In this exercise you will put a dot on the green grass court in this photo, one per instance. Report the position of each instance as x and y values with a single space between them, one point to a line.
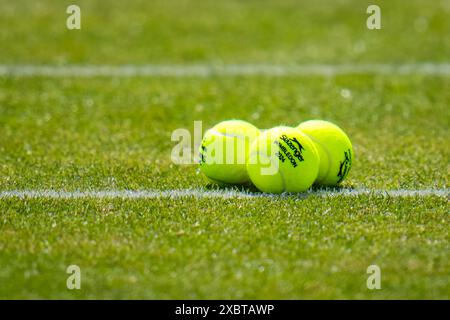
93 133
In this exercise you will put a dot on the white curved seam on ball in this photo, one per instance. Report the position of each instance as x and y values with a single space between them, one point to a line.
326 151
260 153
282 180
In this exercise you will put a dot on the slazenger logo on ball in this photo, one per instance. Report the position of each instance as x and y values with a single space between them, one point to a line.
297 150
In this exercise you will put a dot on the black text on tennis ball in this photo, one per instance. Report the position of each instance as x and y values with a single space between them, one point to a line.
283 159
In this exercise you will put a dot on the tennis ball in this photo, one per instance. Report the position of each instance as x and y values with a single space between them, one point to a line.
283 159
224 151
335 151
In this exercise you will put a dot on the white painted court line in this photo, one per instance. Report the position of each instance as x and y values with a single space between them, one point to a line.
206 70
201 194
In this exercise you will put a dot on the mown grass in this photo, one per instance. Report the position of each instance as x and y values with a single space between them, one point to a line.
88 135
189 248
180 31
116 133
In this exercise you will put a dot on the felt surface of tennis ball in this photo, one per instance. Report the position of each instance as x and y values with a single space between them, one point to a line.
283 159
224 151
335 151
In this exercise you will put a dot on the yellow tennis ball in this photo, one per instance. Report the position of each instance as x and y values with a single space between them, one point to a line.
283 159
335 150
224 151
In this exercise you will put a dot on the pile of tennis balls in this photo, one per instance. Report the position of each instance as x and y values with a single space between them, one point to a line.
277 160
